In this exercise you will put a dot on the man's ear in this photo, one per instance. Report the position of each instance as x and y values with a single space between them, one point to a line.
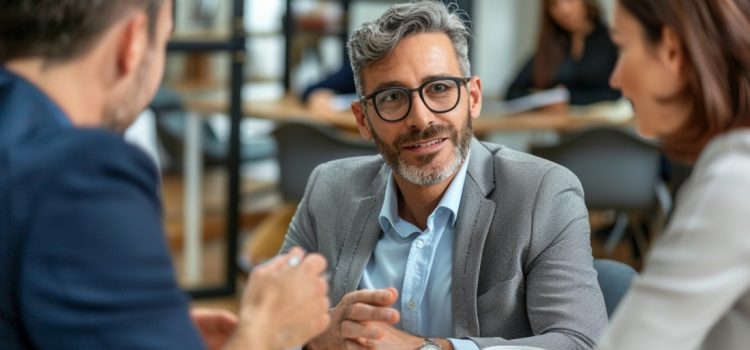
475 96
133 44
359 115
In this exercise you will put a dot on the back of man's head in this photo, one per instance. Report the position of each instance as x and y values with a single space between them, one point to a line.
60 30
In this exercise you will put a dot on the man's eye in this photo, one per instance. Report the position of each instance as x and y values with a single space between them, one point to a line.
391 96
438 87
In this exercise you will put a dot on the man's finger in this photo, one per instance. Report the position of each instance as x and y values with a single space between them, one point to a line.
353 345
377 297
315 263
355 330
365 312
281 260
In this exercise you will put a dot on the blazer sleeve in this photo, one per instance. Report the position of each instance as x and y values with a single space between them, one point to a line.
564 304
96 273
301 232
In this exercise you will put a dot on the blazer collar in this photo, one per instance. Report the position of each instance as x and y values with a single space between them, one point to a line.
481 168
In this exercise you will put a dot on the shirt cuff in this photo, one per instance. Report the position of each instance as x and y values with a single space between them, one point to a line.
463 344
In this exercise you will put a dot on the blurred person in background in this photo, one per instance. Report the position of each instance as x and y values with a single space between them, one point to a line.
574 51
320 96
83 256
685 65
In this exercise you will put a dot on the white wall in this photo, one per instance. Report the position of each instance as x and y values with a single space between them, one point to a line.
503 38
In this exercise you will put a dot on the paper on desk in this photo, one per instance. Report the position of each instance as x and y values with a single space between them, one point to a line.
528 102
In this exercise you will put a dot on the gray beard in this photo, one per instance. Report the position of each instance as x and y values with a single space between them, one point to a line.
423 174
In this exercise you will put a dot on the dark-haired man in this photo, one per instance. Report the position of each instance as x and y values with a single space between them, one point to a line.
83 261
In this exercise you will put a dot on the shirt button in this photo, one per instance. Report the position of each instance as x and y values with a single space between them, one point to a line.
420 244
412 305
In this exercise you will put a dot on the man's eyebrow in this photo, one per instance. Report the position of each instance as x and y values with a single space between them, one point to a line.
388 84
437 76
396 83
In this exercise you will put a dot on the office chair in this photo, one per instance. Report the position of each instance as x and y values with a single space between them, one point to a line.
614 280
170 110
618 170
301 147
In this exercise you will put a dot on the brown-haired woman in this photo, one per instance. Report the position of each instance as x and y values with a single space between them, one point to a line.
574 50
685 65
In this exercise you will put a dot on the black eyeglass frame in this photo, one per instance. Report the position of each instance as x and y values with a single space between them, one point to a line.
410 92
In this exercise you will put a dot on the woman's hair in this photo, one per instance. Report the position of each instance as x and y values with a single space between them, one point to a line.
554 43
715 39
59 30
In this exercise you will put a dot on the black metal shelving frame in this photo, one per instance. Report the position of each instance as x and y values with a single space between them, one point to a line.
235 46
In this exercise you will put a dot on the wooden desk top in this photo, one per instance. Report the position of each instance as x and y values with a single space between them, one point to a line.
290 108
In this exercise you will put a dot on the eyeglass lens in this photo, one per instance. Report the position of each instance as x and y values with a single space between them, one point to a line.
439 96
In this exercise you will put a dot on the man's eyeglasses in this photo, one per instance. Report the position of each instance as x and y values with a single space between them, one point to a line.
440 95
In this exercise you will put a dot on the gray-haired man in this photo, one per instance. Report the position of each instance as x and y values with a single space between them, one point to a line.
443 242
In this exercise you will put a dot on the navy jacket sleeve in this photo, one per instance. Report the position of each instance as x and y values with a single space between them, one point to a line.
96 273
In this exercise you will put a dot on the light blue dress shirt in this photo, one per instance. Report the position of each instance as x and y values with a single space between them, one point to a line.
418 263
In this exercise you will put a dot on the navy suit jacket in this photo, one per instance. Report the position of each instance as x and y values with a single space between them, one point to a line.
83 257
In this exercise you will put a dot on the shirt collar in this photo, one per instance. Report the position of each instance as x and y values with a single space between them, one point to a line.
450 201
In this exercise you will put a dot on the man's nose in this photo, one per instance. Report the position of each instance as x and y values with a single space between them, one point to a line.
420 116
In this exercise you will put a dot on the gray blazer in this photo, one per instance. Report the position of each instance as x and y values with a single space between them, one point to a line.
522 266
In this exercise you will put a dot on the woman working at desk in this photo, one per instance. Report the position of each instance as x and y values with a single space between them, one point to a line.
574 50
685 65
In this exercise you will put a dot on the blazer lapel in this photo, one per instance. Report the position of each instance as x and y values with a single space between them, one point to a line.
472 225
360 240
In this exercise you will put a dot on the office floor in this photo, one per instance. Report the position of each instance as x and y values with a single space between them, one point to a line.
259 199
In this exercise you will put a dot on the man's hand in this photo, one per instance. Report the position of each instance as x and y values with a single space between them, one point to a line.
378 335
349 315
215 326
285 303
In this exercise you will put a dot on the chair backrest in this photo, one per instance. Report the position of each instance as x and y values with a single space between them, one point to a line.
302 146
614 280
618 170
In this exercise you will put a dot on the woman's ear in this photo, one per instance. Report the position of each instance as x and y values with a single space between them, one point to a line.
670 51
